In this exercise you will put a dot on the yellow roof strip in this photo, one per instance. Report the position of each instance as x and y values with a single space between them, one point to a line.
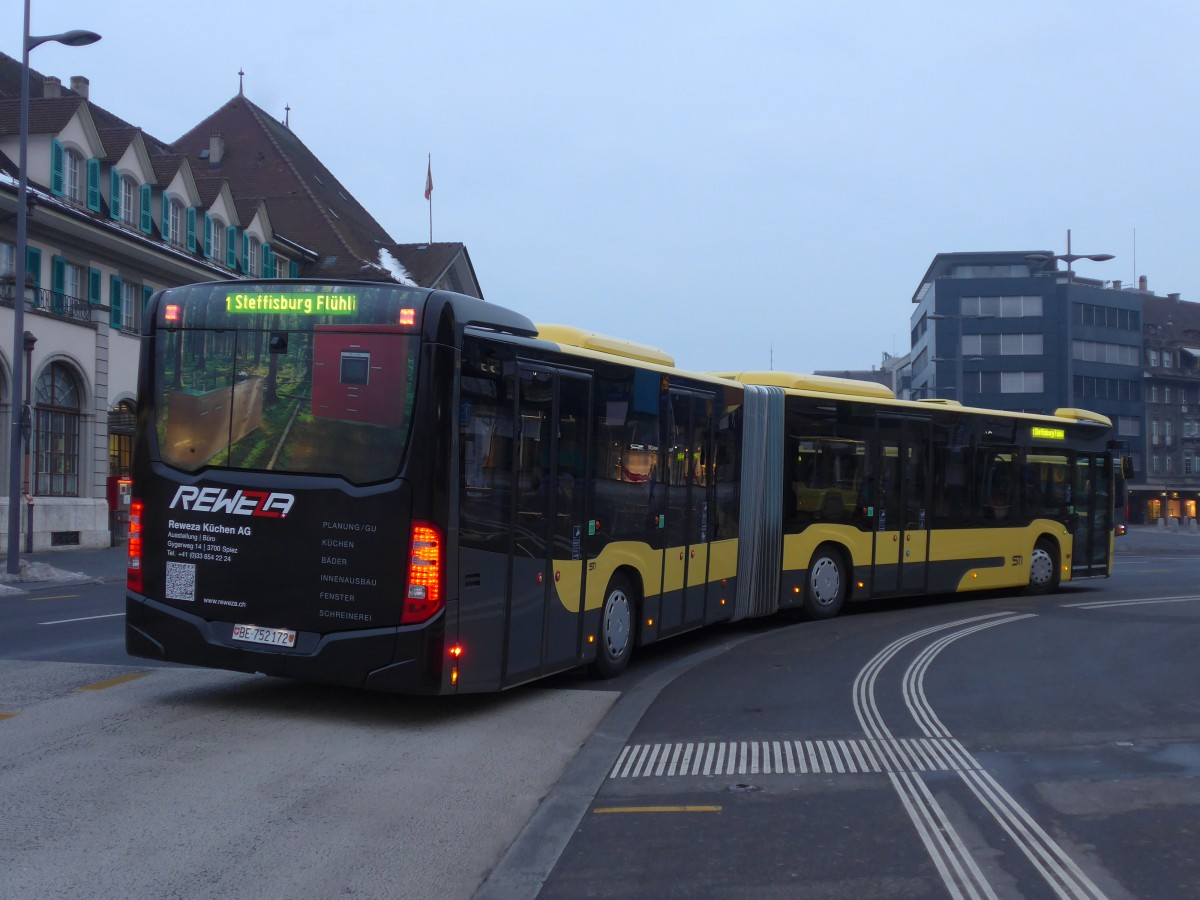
570 336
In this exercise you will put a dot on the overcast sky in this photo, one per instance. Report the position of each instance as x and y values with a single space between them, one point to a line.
746 186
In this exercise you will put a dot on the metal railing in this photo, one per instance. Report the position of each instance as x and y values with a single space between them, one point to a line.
54 302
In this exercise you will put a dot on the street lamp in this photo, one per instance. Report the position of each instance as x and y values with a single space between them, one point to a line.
1041 259
74 38
959 392
1068 258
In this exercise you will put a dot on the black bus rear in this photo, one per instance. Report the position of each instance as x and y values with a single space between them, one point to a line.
290 481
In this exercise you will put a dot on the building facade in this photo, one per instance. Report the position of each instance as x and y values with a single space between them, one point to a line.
116 214
1009 330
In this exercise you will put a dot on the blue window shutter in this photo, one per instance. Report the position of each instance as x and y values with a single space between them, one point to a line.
56 167
166 218
208 226
293 269
58 276
246 253
147 217
33 266
93 185
231 246
94 287
114 301
191 229
114 194
268 261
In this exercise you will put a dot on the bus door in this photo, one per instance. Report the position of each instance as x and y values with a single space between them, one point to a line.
689 486
1092 502
902 513
545 627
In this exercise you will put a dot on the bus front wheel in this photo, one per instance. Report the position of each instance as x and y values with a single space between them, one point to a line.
825 587
617 619
1043 568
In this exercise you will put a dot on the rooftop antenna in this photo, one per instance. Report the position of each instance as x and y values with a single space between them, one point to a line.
287 115
241 75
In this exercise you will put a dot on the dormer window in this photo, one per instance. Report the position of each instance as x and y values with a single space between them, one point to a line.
252 257
129 201
73 177
176 219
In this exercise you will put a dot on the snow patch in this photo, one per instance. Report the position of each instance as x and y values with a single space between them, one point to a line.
391 265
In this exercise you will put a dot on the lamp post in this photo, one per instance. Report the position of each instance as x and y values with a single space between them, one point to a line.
28 42
1068 258
959 392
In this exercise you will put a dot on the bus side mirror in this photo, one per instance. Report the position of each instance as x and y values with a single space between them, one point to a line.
1127 468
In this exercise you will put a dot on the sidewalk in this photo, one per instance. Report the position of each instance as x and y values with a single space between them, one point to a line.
46 569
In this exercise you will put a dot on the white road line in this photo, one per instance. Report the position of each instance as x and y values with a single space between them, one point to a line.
84 619
1104 604
1056 867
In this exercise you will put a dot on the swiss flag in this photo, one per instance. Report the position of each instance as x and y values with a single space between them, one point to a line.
429 180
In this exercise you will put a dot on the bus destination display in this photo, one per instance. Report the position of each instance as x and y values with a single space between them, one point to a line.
301 304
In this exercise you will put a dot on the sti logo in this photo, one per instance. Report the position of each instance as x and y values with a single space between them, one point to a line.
236 503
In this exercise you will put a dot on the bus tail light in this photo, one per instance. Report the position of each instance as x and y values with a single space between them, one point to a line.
133 570
424 596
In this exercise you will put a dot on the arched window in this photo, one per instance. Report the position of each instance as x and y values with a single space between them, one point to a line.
56 433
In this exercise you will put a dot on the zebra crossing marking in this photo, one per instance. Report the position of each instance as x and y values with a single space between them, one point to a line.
841 756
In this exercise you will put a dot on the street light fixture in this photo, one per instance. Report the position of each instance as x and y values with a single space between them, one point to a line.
74 38
1068 258
959 392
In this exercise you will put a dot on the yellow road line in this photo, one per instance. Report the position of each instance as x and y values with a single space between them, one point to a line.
655 809
4 716
59 597
113 682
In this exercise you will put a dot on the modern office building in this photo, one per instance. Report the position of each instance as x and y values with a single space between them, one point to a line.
1011 330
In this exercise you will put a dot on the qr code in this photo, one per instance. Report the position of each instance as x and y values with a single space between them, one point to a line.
181 581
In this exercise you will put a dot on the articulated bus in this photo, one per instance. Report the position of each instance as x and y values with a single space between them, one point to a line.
416 491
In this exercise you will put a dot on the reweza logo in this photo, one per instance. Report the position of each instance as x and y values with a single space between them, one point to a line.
237 503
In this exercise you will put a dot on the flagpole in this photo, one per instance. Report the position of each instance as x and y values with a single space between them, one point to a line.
429 192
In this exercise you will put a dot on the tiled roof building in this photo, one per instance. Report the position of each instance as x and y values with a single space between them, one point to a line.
117 213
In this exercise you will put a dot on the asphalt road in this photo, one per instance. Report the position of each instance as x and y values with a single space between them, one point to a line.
1000 746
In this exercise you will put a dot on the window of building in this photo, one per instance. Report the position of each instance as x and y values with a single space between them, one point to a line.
8 258
1167 358
1130 426
1001 307
1166 393
74 282
176 231
1021 344
130 201
1154 432
1170 460
218 240
252 256
1021 382
1168 429
1152 357
1156 464
120 438
1153 398
56 433
74 183
131 306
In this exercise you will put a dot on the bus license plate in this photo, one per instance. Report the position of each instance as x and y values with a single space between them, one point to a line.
276 637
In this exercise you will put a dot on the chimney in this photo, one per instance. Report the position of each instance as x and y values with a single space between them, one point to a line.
79 85
1174 297
51 87
1141 282
1116 284
216 148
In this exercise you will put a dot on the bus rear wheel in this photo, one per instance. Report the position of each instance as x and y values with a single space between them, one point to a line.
617 619
1043 568
825 587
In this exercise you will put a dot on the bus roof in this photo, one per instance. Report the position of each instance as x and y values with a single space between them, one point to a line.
825 384
570 336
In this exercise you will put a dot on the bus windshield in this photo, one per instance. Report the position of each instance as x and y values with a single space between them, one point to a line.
317 388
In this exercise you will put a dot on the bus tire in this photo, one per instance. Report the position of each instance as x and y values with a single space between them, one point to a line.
825 585
617 619
1043 568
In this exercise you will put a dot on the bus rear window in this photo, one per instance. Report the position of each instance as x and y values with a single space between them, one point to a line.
326 399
